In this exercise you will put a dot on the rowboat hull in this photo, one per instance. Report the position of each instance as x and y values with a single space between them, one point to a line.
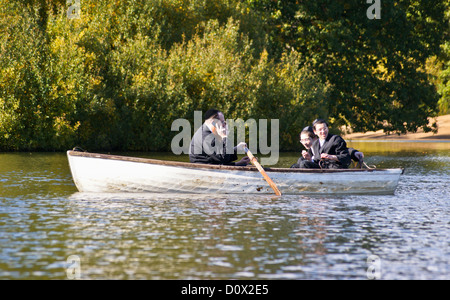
100 173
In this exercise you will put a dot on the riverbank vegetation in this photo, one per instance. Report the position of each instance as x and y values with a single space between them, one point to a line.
119 74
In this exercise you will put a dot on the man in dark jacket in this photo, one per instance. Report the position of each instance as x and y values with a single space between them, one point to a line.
210 144
307 138
330 151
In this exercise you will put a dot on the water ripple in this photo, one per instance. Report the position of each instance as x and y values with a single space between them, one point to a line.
173 236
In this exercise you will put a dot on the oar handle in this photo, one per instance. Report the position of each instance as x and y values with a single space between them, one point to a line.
255 162
250 155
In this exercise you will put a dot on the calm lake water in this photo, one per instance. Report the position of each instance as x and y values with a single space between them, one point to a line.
50 231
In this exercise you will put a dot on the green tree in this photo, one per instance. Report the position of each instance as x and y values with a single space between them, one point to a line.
31 112
444 74
374 66
116 78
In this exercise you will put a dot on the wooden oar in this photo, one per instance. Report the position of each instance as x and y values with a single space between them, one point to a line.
263 173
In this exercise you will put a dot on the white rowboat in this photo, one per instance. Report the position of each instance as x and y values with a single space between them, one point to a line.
101 173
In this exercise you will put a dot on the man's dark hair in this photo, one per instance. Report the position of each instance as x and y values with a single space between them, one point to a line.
308 130
210 113
319 121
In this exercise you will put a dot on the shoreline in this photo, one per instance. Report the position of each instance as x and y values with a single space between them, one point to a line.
397 141
443 134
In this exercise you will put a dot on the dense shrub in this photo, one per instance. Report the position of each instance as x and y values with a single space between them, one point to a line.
117 78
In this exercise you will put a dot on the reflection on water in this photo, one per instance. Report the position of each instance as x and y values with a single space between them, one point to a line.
43 221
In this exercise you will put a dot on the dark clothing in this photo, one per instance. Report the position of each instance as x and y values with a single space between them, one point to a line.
303 163
352 152
203 149
333 145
